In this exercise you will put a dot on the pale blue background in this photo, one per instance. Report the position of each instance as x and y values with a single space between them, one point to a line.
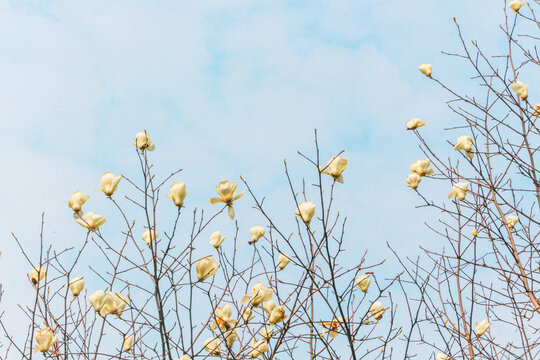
225 89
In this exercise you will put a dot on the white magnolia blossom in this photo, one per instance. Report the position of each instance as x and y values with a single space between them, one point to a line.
206 267
216 239
306 211
259 294
441 356
465 143
45 338
107 303
425 69
335 167
258 348
127 343
77 200
213 346
363 282
277 315
474 232
230 337
511 221
256 232
520 89
177 192
515 5
109 183
269 306
90 220
421 167
283 261
414 124
377 310
459 190
37 274
266 332
222 317
149 236
76 285
413 180
143 142
248 314
227 195
482 327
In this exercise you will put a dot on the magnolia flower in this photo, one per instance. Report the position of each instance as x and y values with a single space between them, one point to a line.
143 142
216 239
425 69
481 327
520 89
109 183
536 110
177 193
266 333
184 357
257 232
259 294
76 285
222 317
421 167
335 167
332 326
149 236
227 194
283 261
515 5
306 211
277 315
213 346
37 274
441 356
377 310
96 299
413 180
90 220
113 303
248 314
230 337
363 282
77 200
511 221
465 143
206 267
459 190
127 342
258 348
45 338
474 232
269 306
414 124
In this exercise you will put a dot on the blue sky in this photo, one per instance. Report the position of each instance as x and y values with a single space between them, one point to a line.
224 89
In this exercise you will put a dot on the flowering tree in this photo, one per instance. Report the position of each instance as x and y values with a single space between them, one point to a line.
167 292
478 296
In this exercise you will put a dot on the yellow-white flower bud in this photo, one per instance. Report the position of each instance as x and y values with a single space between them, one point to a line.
283 261
216 239
414 124
413 180
306 211
511 221
177 193
149 236
37 274
421 167
459 190
482 327
258 348
277 315
465 143
425 69
377 310
45 338
77 200
90 220
335 167
256 232
109 183
206 267
363 282
213 346
76 285
521 90
127 343
96 299
143 142
515 5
